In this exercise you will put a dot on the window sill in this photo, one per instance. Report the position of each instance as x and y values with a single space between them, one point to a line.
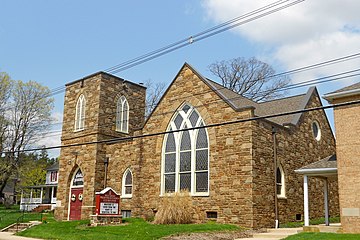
79 130
282 197
126 197
119 131
191 195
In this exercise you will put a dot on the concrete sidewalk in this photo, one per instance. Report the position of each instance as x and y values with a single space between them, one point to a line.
274 234
11 236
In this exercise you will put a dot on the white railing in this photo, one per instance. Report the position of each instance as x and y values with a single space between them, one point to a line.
29 204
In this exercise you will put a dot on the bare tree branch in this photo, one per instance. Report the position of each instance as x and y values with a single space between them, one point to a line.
154 92
250 78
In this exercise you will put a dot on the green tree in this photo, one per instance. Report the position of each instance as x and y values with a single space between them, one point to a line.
27 112
32 170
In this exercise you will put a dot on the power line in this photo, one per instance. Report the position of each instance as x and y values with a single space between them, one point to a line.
115 140
203 35
293 71
334 77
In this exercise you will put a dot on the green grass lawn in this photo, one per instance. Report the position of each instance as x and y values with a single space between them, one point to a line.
312 222
9 216
133 228
323 236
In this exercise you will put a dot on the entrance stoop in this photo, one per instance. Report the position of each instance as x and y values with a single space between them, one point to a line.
333 228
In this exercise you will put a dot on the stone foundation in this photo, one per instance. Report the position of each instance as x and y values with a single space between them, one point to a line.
96 220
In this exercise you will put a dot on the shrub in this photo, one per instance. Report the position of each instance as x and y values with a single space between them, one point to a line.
175 208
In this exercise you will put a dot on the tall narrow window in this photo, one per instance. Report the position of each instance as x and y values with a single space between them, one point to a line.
127 184
280 182
122 115
185 164
80 113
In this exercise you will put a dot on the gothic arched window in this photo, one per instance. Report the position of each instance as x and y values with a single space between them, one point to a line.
122 115
185 161
80 113
280 182
127 184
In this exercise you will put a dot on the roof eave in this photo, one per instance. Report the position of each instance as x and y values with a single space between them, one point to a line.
332 96
317 171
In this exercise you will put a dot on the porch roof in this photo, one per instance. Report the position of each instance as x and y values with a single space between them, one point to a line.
324 167
42 186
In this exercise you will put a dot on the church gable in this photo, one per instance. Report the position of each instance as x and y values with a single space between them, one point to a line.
188 87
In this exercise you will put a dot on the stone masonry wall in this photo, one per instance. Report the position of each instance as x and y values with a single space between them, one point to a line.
101 92
240 165
296 147
230 155
348 152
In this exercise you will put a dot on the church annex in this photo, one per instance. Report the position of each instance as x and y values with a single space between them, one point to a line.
229 170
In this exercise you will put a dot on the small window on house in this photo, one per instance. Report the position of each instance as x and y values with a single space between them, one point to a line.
127 184
53 176
80 113
126 213
280 182
211 214
122 115
298 217
316 130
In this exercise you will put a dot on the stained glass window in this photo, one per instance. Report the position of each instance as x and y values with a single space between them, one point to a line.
186 154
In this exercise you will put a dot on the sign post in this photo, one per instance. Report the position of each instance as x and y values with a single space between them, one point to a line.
107 209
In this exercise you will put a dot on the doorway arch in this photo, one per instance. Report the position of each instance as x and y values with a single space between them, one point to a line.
76 195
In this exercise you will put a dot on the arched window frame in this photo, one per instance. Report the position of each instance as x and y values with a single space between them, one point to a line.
80 113
316 130
185 112
73 178
125 185
280 182
122 115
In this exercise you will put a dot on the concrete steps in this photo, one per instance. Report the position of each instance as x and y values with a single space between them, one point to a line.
333 228
14 228
275 234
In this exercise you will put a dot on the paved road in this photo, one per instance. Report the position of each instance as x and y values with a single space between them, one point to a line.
10 236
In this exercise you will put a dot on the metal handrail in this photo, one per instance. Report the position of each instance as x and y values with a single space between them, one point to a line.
18 220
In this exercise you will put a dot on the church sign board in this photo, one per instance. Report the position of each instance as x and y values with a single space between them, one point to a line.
107 202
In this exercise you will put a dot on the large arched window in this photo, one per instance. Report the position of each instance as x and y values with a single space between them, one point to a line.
280 182
80 113
185 161
122 115
127 184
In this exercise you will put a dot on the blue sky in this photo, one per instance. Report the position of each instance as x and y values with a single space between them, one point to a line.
55 42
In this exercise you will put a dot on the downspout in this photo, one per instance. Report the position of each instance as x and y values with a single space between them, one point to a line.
275 178
106 162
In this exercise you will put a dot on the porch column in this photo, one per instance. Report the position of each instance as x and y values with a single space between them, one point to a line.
306 201
326 202
31 200
41 195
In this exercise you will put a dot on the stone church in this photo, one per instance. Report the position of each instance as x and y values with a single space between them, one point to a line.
238 172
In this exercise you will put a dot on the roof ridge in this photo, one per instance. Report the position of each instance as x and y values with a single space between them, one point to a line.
287 97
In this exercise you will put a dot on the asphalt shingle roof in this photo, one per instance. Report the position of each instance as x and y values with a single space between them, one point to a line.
348 88
287 104
328 162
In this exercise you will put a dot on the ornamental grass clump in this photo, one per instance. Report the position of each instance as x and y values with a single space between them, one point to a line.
175 208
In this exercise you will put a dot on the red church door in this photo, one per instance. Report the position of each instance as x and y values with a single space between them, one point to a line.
75 203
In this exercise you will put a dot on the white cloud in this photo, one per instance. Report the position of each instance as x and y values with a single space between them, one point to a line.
304 34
